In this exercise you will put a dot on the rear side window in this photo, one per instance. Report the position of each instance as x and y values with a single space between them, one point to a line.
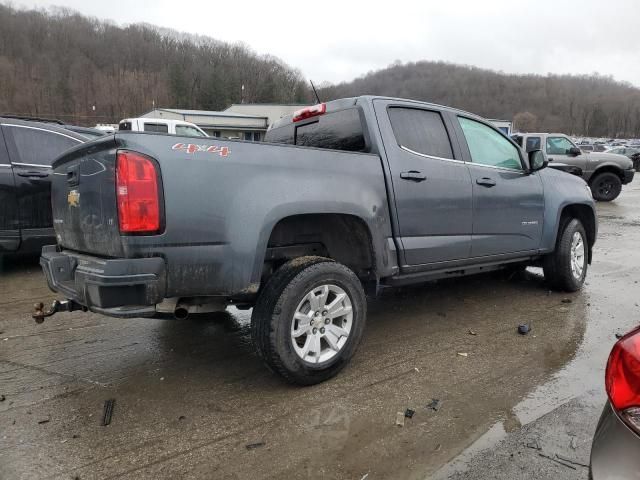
124 126
156 127
533 143
35 146
341 130
421 131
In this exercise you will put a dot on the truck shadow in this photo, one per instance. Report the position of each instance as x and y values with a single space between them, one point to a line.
18 263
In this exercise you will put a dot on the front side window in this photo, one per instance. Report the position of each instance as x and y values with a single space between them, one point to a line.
38 147
188 131
533 143
558 146
488 147
156 127
421 131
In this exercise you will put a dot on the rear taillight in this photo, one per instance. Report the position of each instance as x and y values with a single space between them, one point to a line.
137 193
309 112
623 378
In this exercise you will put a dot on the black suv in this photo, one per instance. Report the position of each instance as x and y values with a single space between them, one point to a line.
26 152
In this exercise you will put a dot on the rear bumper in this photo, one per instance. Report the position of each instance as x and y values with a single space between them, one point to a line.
115 287
615 452
628 176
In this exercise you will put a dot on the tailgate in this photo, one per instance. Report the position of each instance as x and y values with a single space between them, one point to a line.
83 196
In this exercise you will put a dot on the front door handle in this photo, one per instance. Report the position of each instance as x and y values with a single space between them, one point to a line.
413 175
550 159
486 182
33 174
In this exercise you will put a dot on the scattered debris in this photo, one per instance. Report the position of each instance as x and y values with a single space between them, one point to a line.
409 413
463 354
43 421
568 465
108 411
434 405
534 445
567 300
471 332
568 460
364 477
2 398
619 335
574 443
416 369
438 447
400 419
524 329
162 379
253 446
182 417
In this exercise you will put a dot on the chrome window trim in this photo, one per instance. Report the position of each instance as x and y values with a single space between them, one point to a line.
30 165
506 169
42 130
402 147
6 165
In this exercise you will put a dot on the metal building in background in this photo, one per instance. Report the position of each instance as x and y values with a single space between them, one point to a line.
247 121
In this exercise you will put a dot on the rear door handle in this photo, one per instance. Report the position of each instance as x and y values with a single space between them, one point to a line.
413 175
33 174
486 182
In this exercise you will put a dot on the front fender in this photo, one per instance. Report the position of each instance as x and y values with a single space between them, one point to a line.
562 191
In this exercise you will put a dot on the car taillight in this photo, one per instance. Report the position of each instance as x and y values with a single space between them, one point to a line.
137 193
309 112
623 378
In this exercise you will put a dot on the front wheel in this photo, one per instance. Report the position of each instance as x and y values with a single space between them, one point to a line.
566 268
606 186
309 319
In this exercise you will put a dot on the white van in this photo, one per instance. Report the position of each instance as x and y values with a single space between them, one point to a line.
161 125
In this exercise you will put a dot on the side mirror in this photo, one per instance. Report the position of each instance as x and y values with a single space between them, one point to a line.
537 160
575 151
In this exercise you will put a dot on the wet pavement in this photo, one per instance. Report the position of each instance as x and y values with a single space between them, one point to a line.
191 395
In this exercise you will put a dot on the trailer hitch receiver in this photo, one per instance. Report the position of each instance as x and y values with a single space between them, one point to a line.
57 306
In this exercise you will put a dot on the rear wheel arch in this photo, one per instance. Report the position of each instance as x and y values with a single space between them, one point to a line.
345 238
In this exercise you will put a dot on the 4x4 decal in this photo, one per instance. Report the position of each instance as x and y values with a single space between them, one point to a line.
193 148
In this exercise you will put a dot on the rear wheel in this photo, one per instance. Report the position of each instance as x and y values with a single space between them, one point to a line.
566 268
309 319
606 186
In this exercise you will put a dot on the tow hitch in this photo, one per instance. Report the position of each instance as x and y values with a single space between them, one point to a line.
57 306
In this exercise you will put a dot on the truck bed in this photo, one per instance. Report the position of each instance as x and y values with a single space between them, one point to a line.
221 200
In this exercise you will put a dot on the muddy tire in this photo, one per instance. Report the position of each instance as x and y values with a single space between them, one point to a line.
309 319
566 268
605 186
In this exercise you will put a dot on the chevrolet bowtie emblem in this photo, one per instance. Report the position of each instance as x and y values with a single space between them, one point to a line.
73 198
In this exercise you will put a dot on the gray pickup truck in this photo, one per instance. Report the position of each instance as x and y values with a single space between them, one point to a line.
604 172
346 198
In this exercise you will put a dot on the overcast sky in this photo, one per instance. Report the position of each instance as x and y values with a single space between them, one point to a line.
340 40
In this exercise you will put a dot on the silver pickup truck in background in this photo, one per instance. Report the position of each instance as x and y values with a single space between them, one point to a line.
346 198
604 172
